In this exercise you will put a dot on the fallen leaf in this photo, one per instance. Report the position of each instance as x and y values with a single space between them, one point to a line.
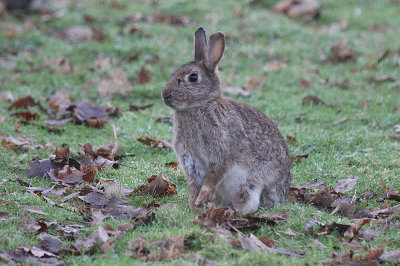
337 27
340 121
168 19
381 79
117 82
26 116
23 102
66 175
41 168
291 139
78 33
341 53
216 218
158 186
345 185
252 84
275 65
34 209
165 119
155 142
296 8
310 99
144 76
372 254
58 65
113 188
173 165
344 84
93 115
133 107
298 158
304 83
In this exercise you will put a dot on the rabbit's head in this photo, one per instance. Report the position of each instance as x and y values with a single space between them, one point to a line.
197 82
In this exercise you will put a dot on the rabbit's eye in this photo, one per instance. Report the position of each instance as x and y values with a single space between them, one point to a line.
193 77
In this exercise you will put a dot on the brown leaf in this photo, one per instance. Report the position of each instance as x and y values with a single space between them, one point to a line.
298 158
353 230
133 107
275 65
165 119
267 241
225 218
174 165
337 27
345 185
291 139
117 82
144 76
378 79
23 102
66 175
41 168
27 116
58 65
252 84
341 53
34 209
310 99
372 254
155 142
158 186
93 115
78 33
12 142
113 188
296 8
235 91
168 19
304 83
344 84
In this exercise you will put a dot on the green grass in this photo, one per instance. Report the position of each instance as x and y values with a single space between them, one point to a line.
252 41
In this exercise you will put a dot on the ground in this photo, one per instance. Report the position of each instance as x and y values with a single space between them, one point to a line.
362 115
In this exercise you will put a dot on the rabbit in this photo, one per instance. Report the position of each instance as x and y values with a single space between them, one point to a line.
231 153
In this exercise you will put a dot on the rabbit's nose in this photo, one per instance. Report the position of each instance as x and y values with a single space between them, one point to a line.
166 94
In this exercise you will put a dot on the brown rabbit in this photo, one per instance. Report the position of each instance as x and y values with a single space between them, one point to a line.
230 152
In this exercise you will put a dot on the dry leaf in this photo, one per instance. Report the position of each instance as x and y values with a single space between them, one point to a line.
23 102
133 107
117 82
304 83
252 84
34 209
58 65
155 142
78 33
310 99
296 8
275 65
345 185
144 76
12 142
378 79
158 186
341 53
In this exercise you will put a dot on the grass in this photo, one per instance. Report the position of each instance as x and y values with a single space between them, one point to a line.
254 36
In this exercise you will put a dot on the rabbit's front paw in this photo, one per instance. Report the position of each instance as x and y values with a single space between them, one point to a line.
206 195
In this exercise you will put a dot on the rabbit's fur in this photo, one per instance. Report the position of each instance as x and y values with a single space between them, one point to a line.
230 152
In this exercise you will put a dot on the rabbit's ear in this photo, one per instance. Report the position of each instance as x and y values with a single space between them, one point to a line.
216 46
200 44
